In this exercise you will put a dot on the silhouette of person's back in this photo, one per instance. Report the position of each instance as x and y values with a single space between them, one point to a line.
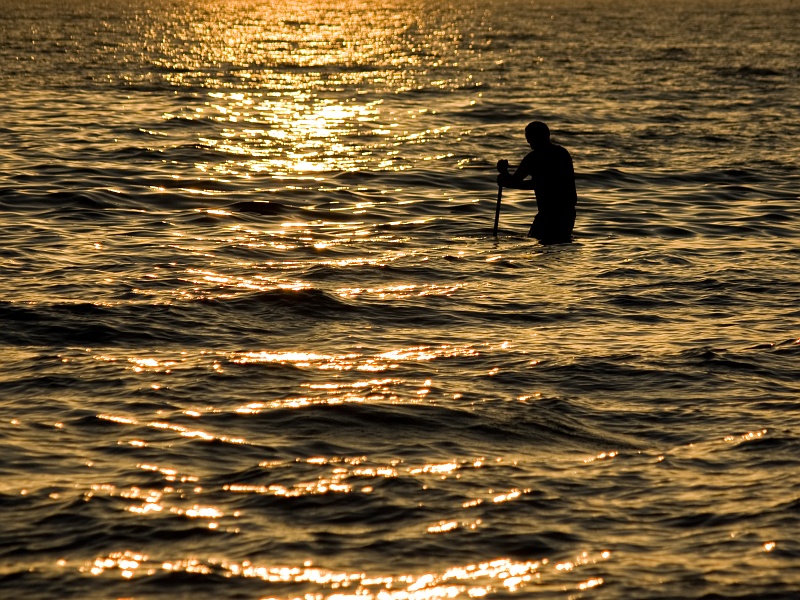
552 177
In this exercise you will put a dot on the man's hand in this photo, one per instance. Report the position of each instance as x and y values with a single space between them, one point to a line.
504 179
502 166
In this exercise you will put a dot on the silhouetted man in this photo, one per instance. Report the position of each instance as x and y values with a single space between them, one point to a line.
552 178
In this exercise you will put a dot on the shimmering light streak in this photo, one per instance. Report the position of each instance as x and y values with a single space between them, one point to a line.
512 495
424 353
300 359
321 486
472 580
444 468
180 429
126 562
601 456
591 583
443 527
344 362
401 291
230 283
747 437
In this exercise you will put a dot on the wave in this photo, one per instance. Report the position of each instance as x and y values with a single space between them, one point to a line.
84 323
748 71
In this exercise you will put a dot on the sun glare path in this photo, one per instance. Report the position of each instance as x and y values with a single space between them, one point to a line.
473 580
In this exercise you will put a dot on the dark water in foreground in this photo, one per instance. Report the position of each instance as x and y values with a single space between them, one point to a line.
365 395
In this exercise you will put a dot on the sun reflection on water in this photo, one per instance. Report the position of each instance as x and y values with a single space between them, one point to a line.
473 580
292 132
401 291
305 88
165 425
323 377
345 362
296 134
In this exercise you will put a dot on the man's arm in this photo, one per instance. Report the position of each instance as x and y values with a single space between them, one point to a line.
515 180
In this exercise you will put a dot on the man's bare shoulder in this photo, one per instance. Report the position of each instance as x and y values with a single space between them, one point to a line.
561 150
528 159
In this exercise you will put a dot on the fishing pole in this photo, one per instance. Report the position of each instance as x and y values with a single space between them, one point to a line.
497 210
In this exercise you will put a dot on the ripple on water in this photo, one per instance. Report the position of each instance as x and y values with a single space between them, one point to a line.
259 340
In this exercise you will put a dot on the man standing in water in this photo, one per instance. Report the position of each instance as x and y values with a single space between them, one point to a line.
552 178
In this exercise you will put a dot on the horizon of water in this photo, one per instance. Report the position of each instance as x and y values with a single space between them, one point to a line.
363 393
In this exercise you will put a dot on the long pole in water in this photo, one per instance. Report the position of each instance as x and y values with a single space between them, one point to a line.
497 210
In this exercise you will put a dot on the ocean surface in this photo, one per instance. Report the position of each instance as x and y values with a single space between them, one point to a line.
361 393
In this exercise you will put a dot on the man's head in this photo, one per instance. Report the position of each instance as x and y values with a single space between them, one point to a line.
537 134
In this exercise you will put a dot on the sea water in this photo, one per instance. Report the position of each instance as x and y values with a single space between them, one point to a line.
362 393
